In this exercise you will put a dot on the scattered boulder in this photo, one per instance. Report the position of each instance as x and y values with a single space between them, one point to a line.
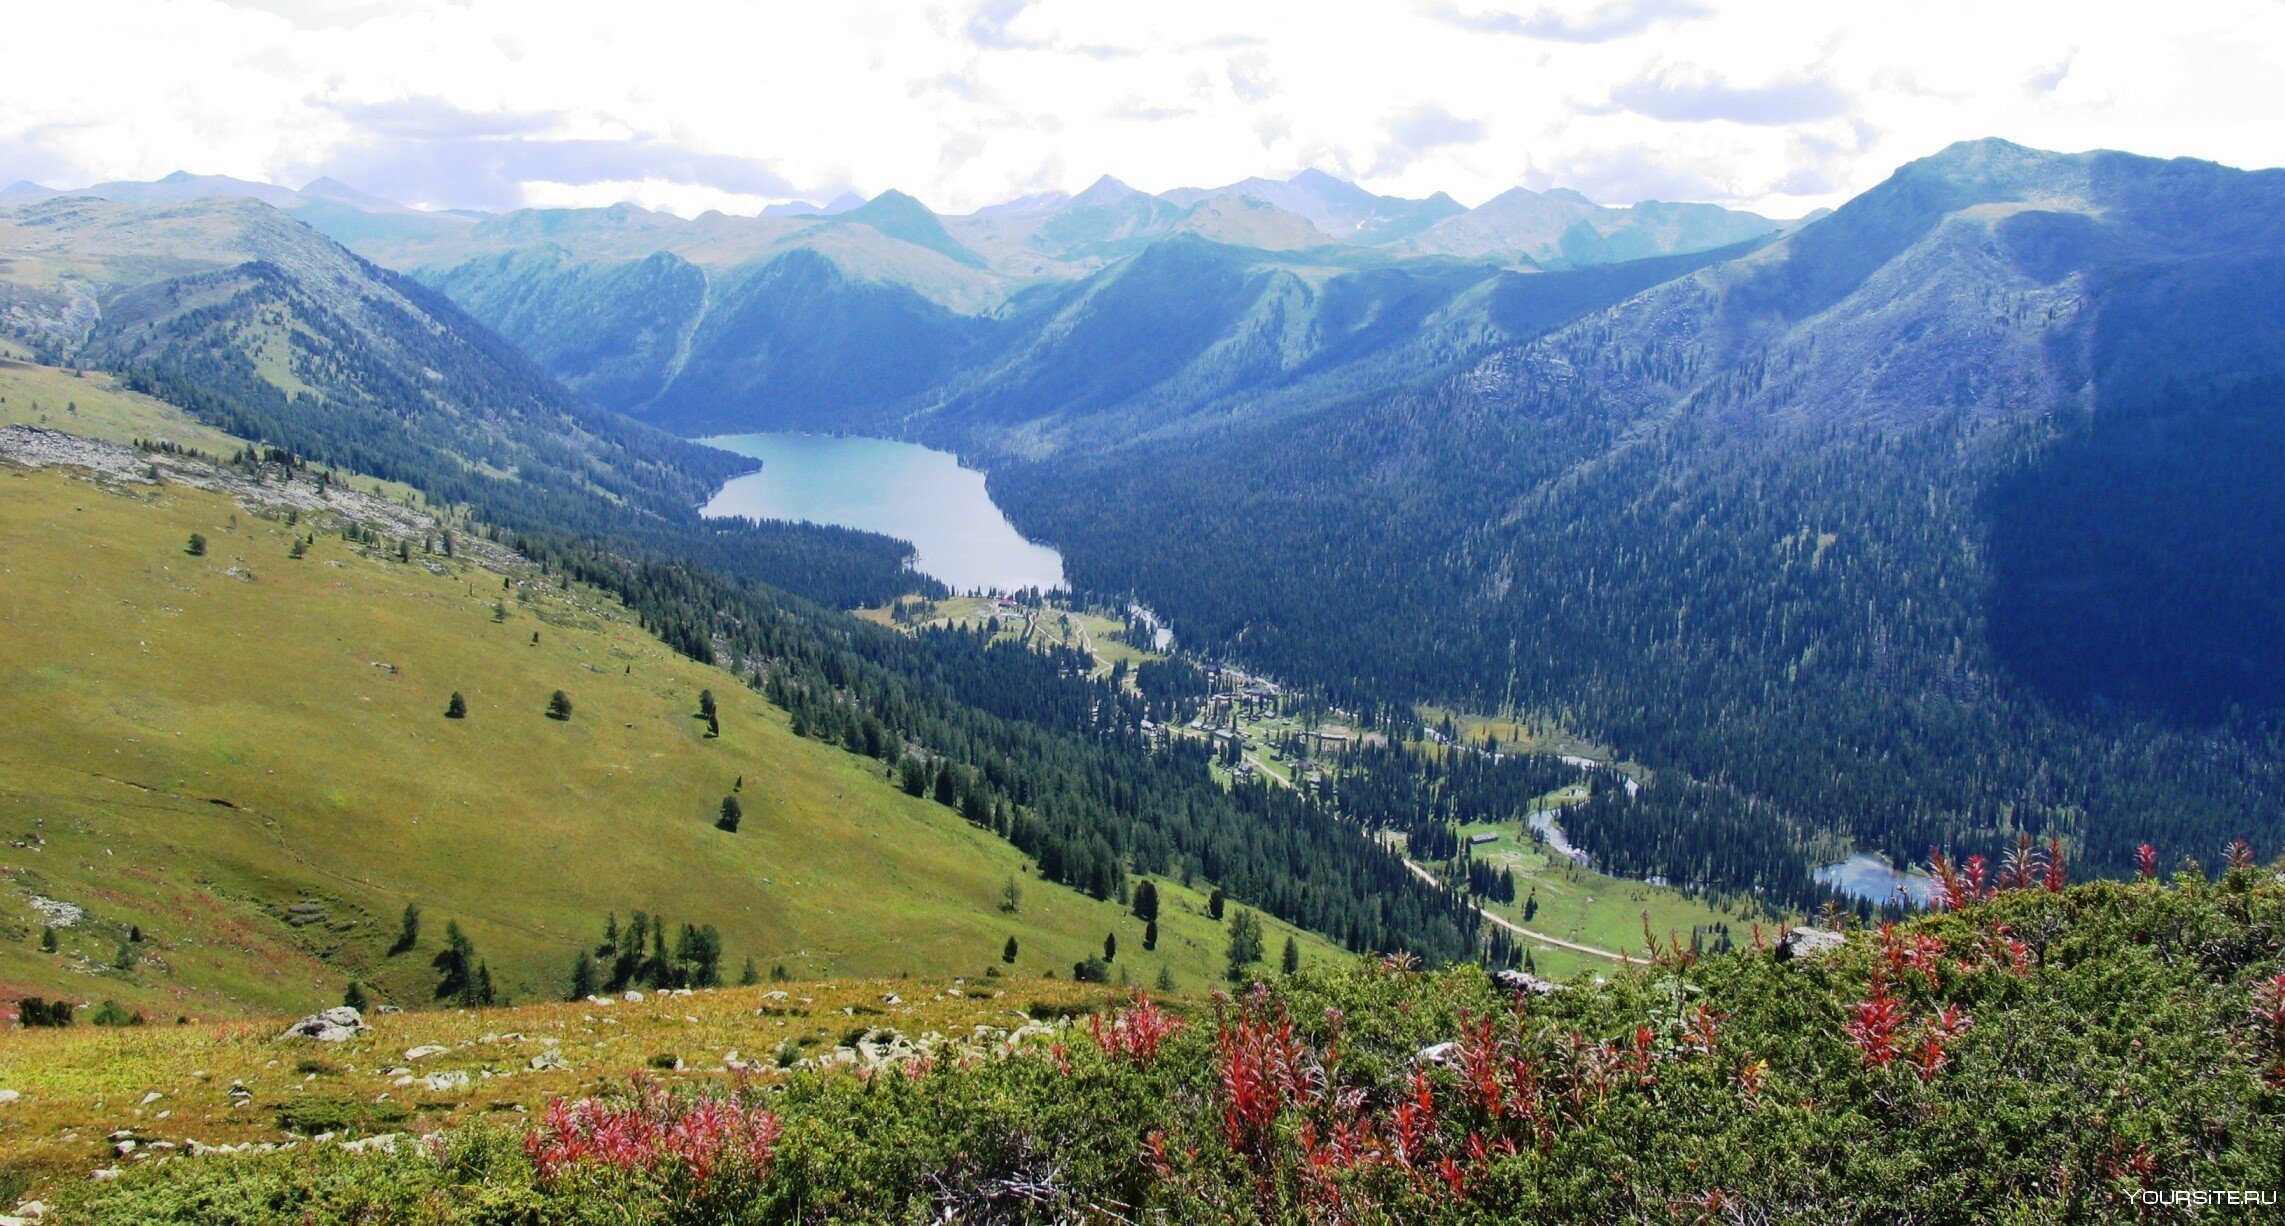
1808 943
1519 982
440 1082
9 1096
338 1024
426 1050
1436 1053
549 1059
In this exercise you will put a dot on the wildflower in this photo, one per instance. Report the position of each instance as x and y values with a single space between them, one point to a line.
1136 1033
1930 1056
650 1129
2240 854
2146 862
1873 1024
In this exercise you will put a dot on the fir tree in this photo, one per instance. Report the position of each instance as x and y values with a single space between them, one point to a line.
1165 981
1291 960
353 996
1008 951
1150 935
1245 942
456 966
408 930
1110 947
1146 901
48 939
197 546
559 706
456 707
751 975
1214 904
731 815
582 977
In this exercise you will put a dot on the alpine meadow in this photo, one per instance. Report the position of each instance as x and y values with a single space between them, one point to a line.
1587 611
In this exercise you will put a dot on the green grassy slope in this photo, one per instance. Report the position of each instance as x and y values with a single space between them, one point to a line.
194 744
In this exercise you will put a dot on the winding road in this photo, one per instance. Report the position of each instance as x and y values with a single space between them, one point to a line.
1520 930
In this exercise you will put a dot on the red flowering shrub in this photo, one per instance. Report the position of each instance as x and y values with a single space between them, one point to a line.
1134 1034
651 1129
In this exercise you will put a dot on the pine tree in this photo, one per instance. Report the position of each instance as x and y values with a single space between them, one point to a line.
456 707
559 706
456 966
582 977
197 547
1150 935
731 814
1291 961
1165 982
1007 952
354 996
751 975
409 929
1011 896
1110 947
1531 906
1214 904
482 993
297 549
706 704
1146 901
1245 942
48 939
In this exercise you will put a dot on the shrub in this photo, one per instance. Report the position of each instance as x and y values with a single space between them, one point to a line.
310 1114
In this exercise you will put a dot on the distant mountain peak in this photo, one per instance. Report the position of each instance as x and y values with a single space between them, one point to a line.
906 219
1565 193
1105 190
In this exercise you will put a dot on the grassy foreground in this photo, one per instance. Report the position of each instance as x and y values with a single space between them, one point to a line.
2098 1053
235 771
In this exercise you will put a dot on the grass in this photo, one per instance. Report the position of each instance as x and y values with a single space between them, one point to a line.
1582 905
93 404
80 1085
196 744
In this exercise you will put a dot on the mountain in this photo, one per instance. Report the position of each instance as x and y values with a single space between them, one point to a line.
908 220
1237 221
1934 520
268 769
1339 208
1562 228
842 203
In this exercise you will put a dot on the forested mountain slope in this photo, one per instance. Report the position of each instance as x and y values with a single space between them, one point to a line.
265 328
1935 520
231 766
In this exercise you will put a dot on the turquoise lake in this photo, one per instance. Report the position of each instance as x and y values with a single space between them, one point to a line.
900 489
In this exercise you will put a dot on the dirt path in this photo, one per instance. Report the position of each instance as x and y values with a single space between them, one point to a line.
1520 930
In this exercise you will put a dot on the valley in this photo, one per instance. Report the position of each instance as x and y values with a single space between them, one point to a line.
276 739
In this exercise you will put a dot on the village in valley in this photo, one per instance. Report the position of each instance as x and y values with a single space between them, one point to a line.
1567 918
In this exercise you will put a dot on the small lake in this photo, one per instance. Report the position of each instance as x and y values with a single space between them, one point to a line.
1871 879
898 489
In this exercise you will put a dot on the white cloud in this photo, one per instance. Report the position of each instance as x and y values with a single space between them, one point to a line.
695 104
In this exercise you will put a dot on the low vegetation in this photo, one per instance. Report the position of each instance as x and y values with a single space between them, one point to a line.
2043 1053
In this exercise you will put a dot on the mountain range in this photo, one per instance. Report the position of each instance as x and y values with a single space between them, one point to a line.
1933 520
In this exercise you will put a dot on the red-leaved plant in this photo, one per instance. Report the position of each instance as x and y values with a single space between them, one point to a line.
1134 1034
650 1128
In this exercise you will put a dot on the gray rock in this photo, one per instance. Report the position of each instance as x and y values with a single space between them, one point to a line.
334 1025
1808 943
1517 981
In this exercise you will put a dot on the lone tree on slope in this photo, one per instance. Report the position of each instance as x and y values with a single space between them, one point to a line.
457 708
197 546
1245 942
409 931
559 706
731 815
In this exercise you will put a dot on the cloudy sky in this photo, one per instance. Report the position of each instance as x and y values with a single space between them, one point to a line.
1781 105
